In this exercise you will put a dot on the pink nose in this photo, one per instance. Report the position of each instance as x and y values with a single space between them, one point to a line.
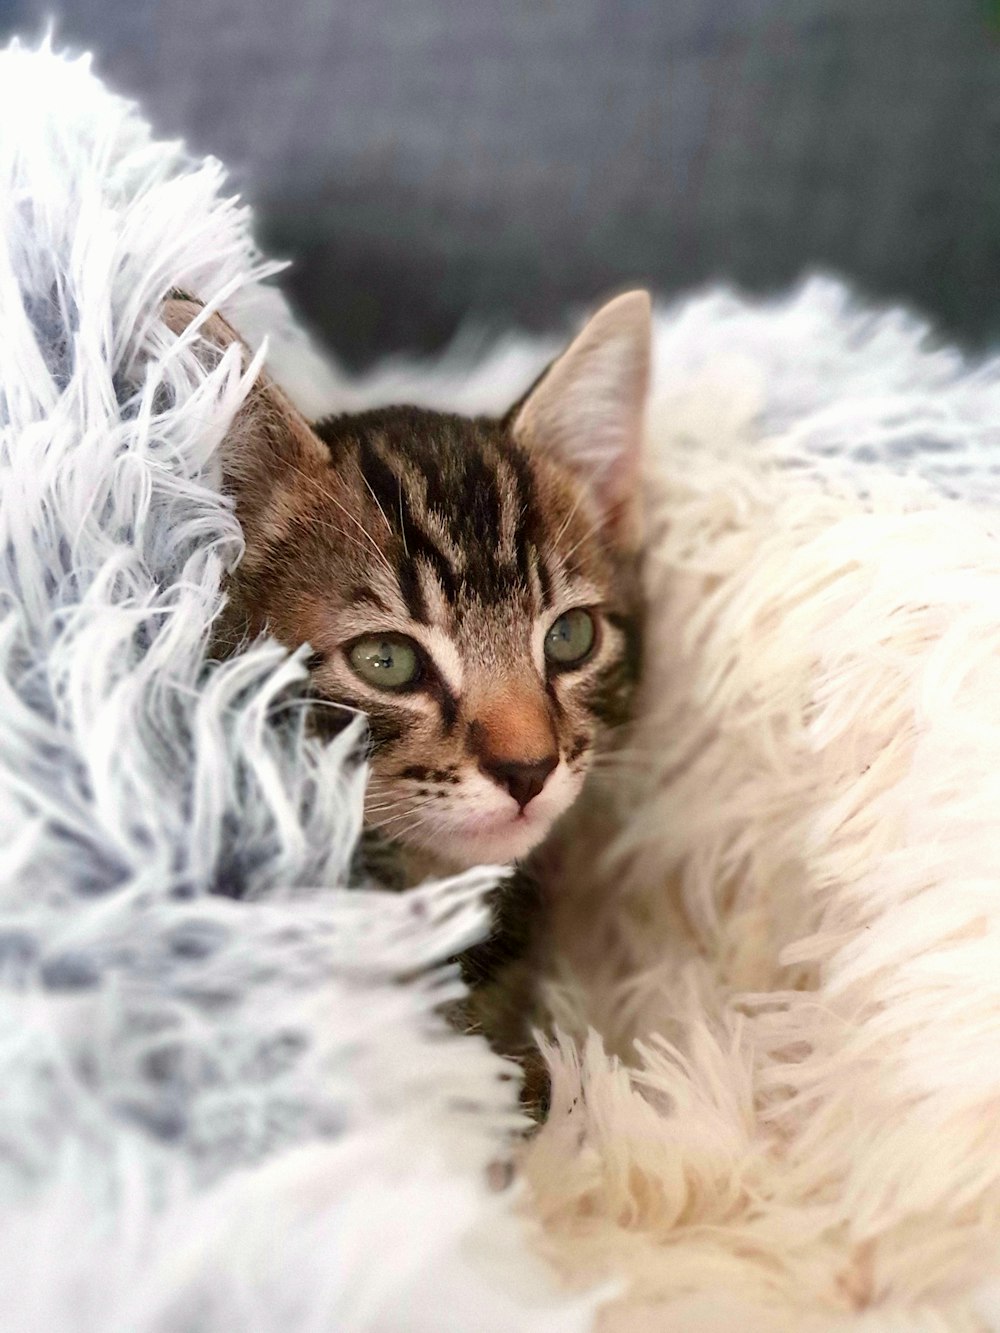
523 780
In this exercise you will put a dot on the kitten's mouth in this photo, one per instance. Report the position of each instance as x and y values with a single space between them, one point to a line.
491 831
500 836
502 820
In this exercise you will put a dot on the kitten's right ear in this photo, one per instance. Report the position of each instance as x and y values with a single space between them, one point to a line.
269 437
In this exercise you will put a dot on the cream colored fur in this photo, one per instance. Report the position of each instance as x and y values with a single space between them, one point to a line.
792 945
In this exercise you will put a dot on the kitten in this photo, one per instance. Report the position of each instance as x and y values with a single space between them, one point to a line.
468 584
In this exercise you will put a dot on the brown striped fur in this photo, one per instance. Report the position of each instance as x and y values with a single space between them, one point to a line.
470 536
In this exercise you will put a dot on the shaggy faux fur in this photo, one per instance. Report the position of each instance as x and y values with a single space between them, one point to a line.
800 958
217 1112
225 1113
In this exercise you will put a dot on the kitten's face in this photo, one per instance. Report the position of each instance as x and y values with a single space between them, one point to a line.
468 585
473 608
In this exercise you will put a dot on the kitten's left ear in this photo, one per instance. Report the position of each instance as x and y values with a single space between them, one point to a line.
270 450
589 408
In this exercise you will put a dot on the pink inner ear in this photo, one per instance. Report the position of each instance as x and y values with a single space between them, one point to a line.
589 408
618 495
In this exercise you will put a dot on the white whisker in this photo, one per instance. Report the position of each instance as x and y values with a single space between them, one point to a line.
421 821
568 519
394 805
347 514
402 527
378 504
565 555
403 814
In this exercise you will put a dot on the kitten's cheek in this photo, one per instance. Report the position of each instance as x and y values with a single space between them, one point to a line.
557 795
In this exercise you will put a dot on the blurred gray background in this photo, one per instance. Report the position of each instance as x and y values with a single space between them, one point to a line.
425 162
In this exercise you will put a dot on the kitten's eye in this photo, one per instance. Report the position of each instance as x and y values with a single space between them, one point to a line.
570 639
389 661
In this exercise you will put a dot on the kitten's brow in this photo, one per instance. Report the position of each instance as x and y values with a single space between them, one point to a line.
347 537
402 525
360 596
568 519
378 503
327 495
586 537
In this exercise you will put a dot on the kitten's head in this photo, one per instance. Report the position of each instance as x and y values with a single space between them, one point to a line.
468 584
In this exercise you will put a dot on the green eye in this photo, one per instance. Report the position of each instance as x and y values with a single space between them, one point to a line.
389 661
571 638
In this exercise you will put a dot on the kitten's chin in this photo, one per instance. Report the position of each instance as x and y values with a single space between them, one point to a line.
496 843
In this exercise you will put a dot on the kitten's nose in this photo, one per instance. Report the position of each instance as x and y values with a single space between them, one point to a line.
523 780
508 728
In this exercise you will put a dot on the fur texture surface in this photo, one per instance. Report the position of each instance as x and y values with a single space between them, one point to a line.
784 923
216 1114
792 1120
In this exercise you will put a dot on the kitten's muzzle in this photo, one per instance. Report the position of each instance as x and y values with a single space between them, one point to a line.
514 741
523 780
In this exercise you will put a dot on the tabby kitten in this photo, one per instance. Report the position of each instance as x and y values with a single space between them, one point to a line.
468 584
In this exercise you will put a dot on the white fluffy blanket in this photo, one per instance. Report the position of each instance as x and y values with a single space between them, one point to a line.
220 1114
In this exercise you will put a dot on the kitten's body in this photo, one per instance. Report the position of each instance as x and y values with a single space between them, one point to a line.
468 584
